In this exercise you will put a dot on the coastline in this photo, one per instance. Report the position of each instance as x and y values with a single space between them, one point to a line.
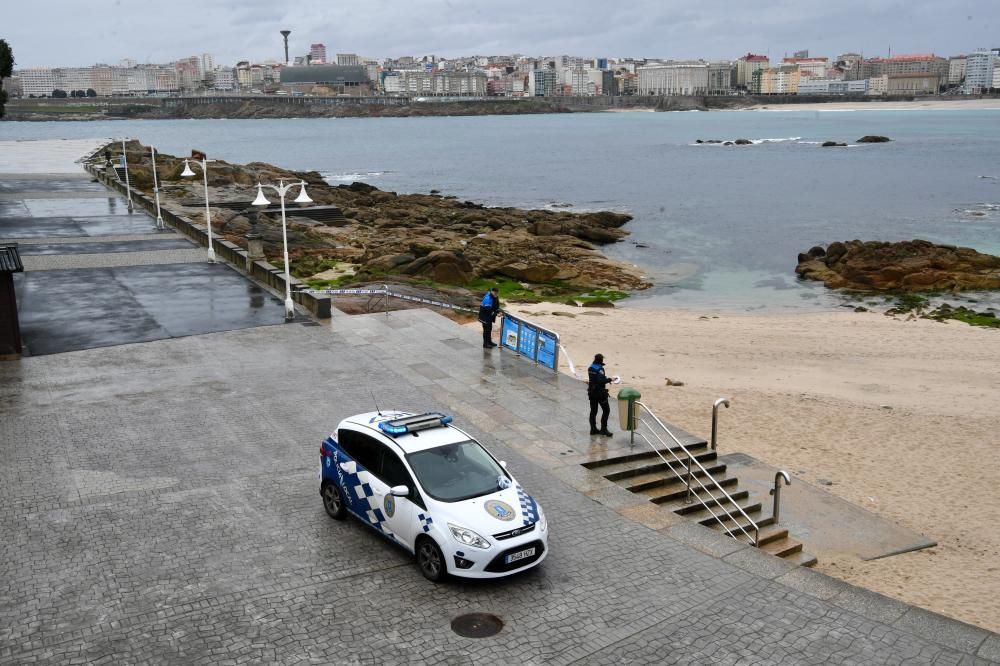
884 408
913 105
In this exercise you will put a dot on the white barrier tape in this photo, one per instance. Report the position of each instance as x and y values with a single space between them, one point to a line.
383 292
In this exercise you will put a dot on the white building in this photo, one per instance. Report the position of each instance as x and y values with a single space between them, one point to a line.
673 78
348 59
37 81
225 79
956 70
829 86
979 67
878 85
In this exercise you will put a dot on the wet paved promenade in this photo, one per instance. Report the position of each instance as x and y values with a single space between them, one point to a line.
159 504
97 274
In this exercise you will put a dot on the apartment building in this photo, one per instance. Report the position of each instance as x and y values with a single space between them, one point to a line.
979 67
956 70
783 80
543 83
815 67
878 85
746 66
317 54
673 78
919 63
105 80
830 86
720 78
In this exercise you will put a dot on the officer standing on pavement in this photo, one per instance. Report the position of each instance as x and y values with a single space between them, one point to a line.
597 391
488 309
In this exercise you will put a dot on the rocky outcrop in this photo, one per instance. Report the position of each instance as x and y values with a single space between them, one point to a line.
833 144
416 236
874 138
916 265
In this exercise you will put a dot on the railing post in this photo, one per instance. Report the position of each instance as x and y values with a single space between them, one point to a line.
687 497
776 491
386 288
715 417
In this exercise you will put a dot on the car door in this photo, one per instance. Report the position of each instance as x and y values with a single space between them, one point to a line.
354 472
400 512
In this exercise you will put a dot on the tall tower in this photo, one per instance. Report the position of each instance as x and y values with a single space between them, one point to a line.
285 33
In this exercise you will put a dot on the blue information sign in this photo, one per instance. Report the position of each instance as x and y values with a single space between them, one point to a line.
529 340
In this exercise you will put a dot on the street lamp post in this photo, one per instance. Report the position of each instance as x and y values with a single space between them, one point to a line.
188 173
156 190
261 200
128 185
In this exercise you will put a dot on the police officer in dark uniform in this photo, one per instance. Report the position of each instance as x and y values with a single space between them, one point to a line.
488 309
597 391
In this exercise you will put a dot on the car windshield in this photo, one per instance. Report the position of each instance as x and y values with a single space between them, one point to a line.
456 472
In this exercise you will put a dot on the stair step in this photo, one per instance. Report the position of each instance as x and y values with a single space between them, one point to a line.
678 491
705 517
721 501
666 475
628 460
729 525
782 547
802 558
655 464
652 484
771 533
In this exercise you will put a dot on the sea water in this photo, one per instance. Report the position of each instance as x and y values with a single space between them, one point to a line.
715 226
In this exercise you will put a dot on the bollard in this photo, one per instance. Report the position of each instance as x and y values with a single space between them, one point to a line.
255 249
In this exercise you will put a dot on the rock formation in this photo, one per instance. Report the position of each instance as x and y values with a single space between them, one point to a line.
409 236
874 138
916 265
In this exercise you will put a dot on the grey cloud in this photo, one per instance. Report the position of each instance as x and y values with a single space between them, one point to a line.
107 31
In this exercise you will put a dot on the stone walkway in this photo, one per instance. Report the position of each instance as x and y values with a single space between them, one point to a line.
97 274
159 503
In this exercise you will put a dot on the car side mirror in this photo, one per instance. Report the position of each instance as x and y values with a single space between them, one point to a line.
399 491
503 463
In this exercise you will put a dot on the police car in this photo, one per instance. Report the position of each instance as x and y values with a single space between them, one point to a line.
426 485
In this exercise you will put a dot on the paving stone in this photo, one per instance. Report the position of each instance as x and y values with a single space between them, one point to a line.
813 583
705 539
952 633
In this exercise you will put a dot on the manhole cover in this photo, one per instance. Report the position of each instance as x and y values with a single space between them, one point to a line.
476 625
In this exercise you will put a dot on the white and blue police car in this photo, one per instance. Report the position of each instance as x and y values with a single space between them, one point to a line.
431 488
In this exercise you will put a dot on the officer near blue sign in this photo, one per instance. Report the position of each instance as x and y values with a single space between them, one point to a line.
488 309
597 391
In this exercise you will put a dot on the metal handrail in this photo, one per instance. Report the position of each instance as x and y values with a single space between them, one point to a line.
776 491
715 416
755 538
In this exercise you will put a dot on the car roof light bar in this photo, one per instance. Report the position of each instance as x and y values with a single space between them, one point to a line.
408 424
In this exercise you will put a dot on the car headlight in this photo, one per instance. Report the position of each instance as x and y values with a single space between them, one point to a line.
467 537
543 524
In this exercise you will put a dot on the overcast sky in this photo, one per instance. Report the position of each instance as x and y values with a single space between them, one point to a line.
49 33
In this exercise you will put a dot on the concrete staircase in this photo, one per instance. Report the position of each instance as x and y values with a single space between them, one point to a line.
664 483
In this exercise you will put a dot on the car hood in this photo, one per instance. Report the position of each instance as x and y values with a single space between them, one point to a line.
498 512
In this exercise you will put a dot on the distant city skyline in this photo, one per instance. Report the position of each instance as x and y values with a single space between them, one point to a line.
107 31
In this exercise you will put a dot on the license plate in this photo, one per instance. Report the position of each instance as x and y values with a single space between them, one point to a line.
519 555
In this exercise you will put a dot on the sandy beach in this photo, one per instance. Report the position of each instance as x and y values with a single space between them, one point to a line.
899 415
955 104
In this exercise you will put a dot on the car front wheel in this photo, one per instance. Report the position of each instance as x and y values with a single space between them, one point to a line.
333 502
430 560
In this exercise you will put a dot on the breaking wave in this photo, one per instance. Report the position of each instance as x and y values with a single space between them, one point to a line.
350 177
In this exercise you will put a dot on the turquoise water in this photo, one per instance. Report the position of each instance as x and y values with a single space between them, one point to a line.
715 227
